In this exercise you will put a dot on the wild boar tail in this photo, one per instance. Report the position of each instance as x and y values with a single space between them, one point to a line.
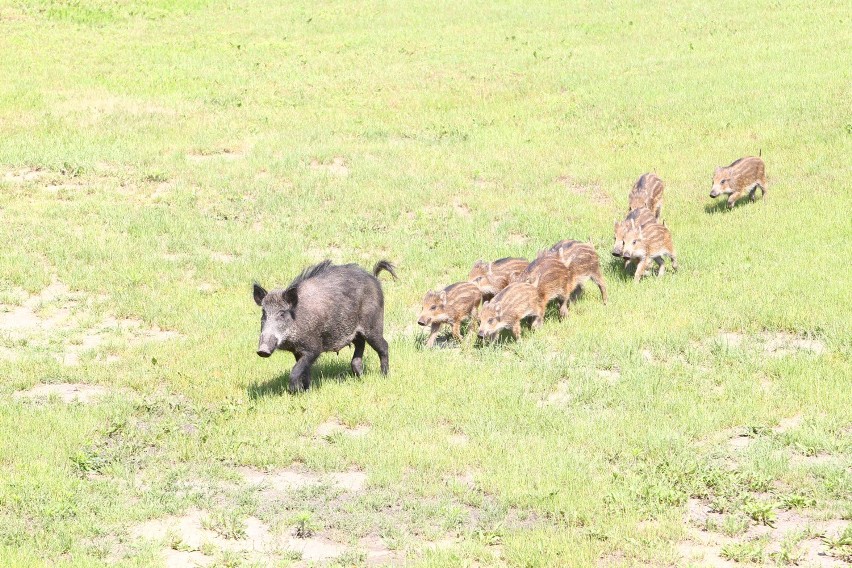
386 266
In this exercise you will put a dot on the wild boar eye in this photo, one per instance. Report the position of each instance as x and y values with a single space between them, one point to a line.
282 313
432 308
723 181
490 320
634 242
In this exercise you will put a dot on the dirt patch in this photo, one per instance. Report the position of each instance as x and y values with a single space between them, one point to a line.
190 538
788 424
482 183
337 166
289 479
53 314
707 547
378 553
610 375
782 344
203 156
593 192
25 175
731 340
462 210
222 257
458 439
517 239
66 392
561 396
334 427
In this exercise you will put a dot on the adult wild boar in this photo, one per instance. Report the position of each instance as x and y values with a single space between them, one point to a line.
325 308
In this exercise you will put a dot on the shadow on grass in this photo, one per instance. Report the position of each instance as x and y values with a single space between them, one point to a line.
620 272
445 339
721 205
334 371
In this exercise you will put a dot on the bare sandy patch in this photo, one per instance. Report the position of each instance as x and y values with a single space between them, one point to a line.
378 553
336 167
517 239
561 396
223 257
333 427
483 183
25 175
611 375
787 424
458 439
66 392
705 546
730 339
462 210
781 344
204 156
593 192
289 479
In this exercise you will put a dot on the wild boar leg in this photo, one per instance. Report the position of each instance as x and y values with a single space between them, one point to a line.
457 330
358 355
598 279
640 270
563 307
733 198
380 346
516 330
300 375
431 341
674 262
661 265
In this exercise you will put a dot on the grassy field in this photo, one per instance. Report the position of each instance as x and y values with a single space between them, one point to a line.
156 157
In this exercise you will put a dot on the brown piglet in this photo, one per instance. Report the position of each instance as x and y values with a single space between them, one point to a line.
584 264
646 243
491 277
452 305
743 176
647 192
638 217
512 304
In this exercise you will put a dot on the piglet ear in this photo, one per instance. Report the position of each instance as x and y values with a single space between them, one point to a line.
443 296
717 170
498 310
490 271
259 293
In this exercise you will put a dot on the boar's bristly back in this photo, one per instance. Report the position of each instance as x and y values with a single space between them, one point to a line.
310 272
385 265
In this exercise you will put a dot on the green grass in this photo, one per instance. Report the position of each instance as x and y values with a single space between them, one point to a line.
175 143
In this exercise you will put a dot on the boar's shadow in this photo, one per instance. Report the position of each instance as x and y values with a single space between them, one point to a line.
332 369
618 270
720 205
445 339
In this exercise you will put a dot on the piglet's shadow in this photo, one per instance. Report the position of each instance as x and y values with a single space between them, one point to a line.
623 274
330 370
721 205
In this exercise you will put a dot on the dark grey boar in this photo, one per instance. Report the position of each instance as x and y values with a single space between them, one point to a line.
325 308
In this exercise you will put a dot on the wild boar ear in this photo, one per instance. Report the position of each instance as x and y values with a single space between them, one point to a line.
291 296
498 310
490 271
717 170
259 294
443 296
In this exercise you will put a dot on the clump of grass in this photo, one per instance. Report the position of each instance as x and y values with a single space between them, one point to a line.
743 552
760 512
227 525
729 525
305 525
